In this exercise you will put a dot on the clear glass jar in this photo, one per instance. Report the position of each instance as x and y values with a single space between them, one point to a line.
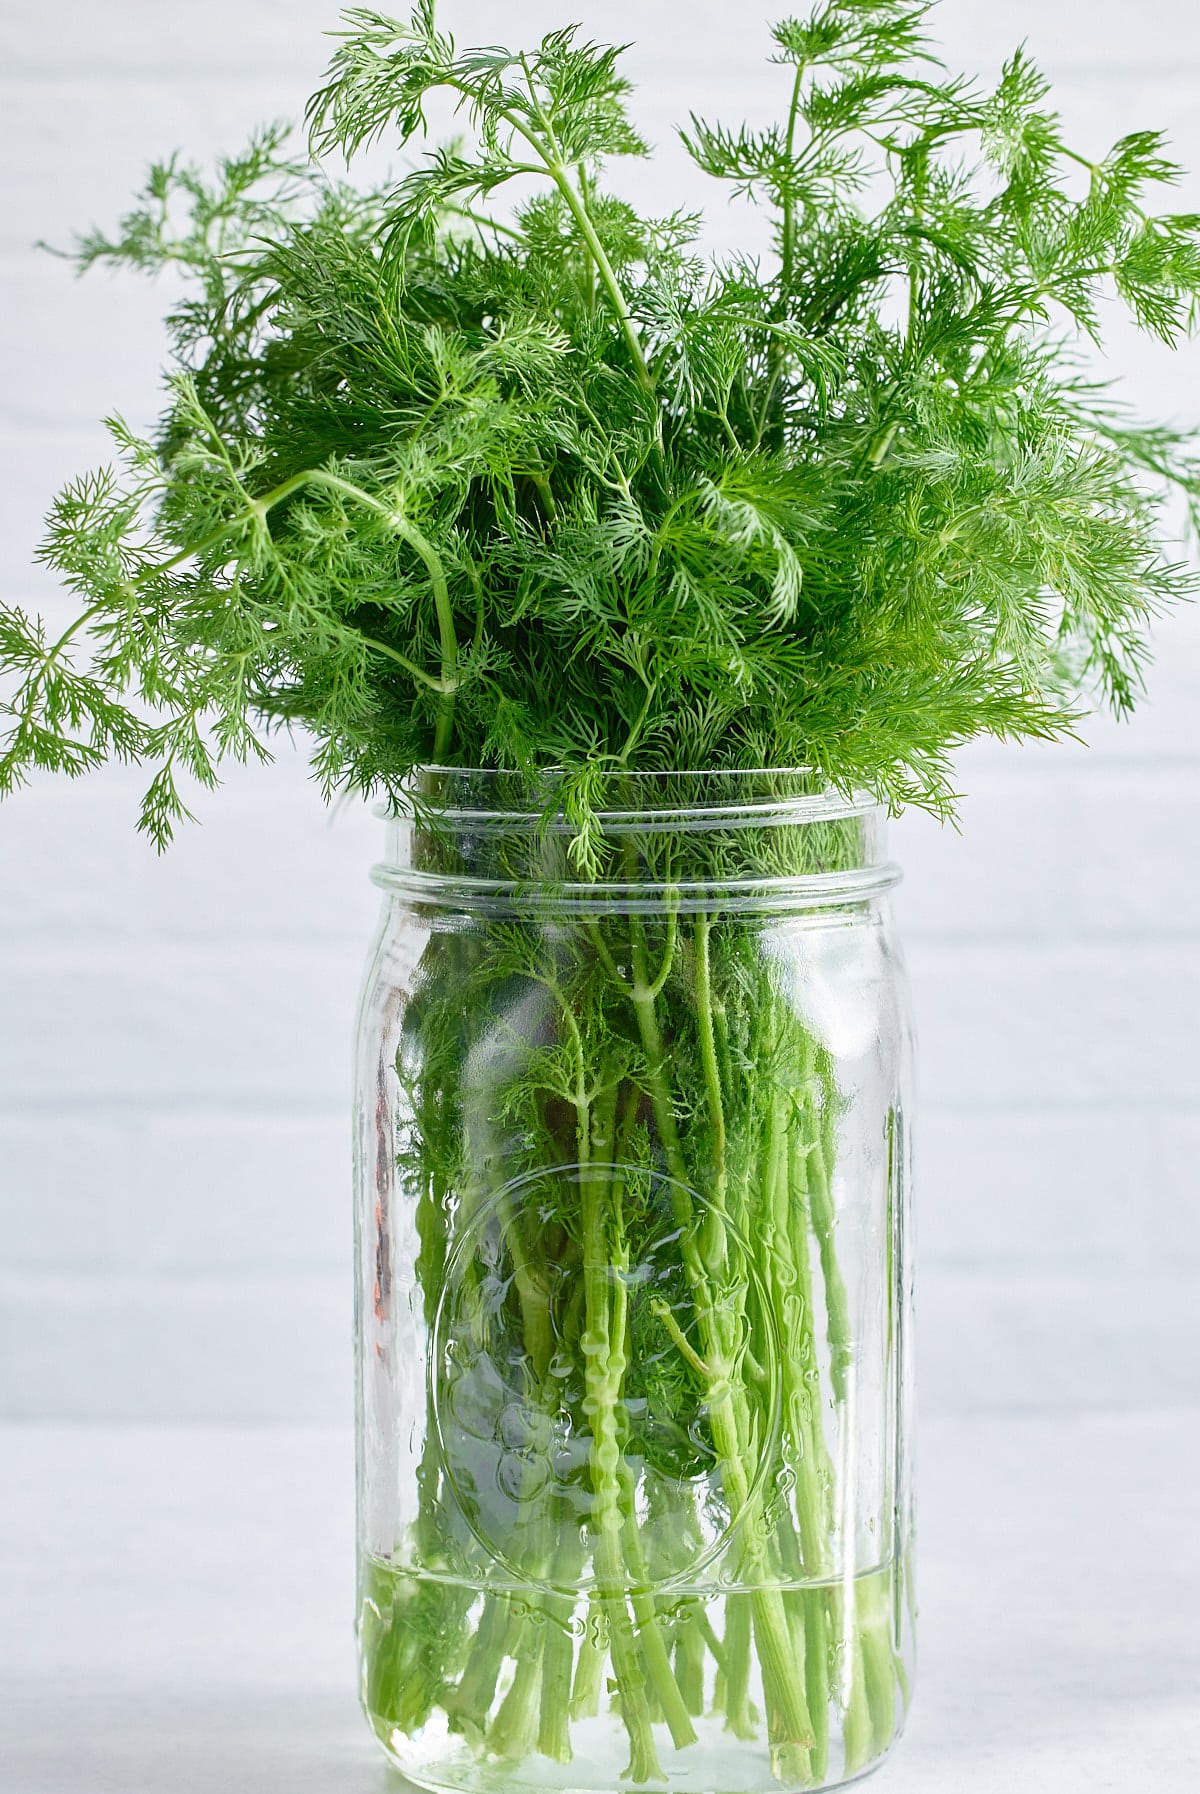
634 1293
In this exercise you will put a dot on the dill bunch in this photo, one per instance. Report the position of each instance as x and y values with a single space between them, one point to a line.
484 468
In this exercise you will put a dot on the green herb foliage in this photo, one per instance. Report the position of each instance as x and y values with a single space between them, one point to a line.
487 469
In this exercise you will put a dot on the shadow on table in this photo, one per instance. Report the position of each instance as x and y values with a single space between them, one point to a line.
266 1741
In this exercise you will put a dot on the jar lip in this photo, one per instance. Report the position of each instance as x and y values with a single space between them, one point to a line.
726 840
506 899
668 798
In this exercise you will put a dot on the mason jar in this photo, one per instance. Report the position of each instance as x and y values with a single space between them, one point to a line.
634 1288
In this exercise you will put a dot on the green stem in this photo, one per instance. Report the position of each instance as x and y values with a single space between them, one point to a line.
532 1294
783 1680
606 272
715 1231
655 1655
558 1652
817 1676
814 1472
879 1670
739 1715
689 1663
638 724
822 1108
557 168
589 1668
446 633
857 1732
589 265
604 1259
513 1732
468 1705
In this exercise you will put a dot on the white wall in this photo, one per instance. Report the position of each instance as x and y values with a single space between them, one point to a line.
175 1035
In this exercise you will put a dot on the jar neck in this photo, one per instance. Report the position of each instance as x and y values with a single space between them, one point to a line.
770 838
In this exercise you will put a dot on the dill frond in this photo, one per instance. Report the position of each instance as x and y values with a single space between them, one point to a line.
485 468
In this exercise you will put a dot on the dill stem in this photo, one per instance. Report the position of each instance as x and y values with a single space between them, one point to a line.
604 269
559 172
657 1658
531 1290
671 1704
558 1652
589 1668
446 632
816 1671
469 1703
783 1682
862 1625
802 1387
856 1720
638 724
788 1262
689 1663
589 265
604 1258
714 1248
738 1716
514 1730
821 1101
879 1669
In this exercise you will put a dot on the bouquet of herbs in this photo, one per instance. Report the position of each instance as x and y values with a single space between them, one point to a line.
480 468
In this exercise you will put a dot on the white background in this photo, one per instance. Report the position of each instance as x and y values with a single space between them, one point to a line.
175 1035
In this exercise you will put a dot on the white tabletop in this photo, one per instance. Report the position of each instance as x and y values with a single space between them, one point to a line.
176 1611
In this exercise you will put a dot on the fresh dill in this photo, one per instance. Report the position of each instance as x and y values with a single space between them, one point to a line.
486 469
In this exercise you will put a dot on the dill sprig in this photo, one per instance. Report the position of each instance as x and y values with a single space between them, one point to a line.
484 468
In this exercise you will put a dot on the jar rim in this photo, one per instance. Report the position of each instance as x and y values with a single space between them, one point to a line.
664 799
731 840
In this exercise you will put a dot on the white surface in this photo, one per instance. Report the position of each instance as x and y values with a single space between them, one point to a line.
174 1036
179 1608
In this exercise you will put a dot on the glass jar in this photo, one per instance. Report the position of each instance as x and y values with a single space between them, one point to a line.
633 1289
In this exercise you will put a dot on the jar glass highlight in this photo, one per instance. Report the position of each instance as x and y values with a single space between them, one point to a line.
633 1290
